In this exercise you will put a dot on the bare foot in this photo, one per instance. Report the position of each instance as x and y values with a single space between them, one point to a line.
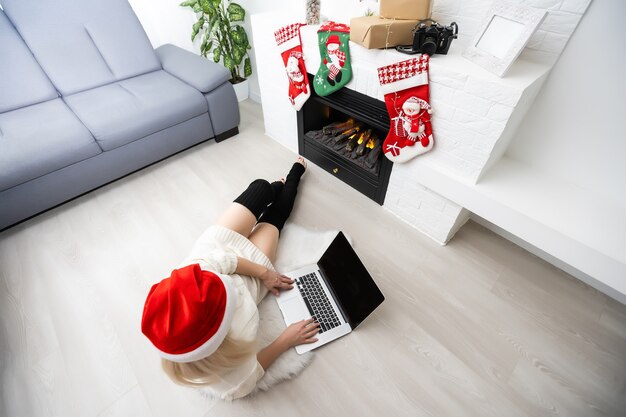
301 161
298 172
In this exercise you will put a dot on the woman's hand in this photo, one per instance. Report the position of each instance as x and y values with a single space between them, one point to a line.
294 335
299 333
275 282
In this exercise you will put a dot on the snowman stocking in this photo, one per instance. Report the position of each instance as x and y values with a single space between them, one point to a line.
335 70
405 86
288 41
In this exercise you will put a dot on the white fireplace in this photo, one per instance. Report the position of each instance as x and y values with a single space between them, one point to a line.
476 114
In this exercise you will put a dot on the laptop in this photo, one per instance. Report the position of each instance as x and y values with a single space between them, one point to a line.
337 291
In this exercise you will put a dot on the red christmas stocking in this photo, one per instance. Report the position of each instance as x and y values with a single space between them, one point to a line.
405 86
288 41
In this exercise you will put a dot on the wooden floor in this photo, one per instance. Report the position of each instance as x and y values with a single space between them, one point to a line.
477 328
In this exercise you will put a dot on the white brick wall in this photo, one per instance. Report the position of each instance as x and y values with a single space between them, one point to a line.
422 208
547 43
473 109
471 106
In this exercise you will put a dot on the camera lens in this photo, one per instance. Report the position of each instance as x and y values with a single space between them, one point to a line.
429 46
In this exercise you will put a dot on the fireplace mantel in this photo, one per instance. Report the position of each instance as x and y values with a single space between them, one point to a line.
475 116
475 111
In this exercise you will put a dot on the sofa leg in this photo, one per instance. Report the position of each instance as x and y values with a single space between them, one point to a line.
225 135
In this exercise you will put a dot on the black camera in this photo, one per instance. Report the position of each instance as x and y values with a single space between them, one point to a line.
431 39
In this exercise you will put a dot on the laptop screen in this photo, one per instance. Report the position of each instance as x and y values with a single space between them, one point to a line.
354 287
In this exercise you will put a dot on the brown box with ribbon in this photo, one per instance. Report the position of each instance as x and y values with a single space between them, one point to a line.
375 32
406 9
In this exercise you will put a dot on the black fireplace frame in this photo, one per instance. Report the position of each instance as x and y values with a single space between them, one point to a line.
313 116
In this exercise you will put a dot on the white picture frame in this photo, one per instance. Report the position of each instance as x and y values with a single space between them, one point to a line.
502 35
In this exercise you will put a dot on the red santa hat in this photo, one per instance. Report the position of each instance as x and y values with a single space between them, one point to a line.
187 316
333 39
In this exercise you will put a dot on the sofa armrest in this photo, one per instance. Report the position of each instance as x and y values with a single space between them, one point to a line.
193 69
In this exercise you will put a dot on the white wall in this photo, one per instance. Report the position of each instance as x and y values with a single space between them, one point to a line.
547 42
166 22
259 6
575 129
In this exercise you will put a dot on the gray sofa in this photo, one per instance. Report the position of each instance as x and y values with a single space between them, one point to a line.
85 100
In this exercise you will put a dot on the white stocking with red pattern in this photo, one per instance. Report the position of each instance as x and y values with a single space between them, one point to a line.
405 86
288 42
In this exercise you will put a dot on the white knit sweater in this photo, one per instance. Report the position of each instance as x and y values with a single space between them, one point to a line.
217 251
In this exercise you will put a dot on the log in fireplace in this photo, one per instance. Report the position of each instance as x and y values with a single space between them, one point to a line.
329 131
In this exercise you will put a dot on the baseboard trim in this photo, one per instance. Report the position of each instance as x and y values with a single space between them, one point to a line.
254 96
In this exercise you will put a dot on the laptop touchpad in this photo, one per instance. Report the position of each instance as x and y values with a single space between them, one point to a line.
295 310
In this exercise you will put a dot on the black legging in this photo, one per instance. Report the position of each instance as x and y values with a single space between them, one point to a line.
278 196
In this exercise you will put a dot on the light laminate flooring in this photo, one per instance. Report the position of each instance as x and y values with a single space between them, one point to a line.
476 328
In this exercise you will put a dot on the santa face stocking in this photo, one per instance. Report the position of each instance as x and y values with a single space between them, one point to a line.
288 41
335 70
405 86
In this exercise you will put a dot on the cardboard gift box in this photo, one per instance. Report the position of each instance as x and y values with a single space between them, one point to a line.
374 32
406 9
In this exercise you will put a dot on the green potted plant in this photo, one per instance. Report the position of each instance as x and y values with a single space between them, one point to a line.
223 38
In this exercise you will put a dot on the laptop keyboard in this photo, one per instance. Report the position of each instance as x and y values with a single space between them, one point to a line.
316 301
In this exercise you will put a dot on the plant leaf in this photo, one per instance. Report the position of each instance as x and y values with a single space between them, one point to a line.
238 53
213 24
217 54
247 68
229 63
206 46
189 3
207 6
203 46
196 28
236 13
239 35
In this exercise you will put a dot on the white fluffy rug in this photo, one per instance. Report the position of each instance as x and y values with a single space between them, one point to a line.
297 247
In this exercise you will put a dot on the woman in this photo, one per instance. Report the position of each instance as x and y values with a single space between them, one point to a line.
203 319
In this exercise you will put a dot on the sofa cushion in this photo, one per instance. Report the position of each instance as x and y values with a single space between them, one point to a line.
198 72
38 139
83 44
128 110
22 81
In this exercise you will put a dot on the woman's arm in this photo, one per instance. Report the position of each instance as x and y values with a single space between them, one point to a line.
271 279
249 268
296 334
270 353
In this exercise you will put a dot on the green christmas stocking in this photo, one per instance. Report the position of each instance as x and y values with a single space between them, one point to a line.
335 70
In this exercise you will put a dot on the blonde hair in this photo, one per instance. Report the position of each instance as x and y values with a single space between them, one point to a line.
231 354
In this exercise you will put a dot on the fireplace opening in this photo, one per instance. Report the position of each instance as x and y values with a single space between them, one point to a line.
343 134
354 141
